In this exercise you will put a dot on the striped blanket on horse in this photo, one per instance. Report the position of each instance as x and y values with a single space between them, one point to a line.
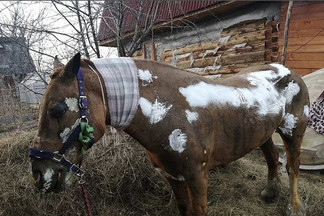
121 81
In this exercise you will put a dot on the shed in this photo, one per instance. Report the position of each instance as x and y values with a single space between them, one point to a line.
16 67
15 61
32 88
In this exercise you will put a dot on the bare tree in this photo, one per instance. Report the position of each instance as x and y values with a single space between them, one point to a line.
144 15
84 25
59 28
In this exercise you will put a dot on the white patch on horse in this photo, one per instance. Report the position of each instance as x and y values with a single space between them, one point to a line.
282 70
72 103
65 134
191 116
262 93
306 110
168 175
178 140
47 179
154 111
290 91
145 76
67 131
266 99
289 125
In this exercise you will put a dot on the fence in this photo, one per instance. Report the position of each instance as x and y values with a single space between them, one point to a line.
12 111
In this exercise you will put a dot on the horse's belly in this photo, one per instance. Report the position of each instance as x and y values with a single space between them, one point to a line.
236 136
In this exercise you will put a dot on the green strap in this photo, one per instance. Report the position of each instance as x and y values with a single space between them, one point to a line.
85 136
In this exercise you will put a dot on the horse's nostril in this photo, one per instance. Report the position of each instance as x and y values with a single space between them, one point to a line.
59 175
37 176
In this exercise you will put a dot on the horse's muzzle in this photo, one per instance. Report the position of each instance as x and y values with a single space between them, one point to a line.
49 176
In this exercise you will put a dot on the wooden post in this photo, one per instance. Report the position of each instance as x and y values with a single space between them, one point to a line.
285 41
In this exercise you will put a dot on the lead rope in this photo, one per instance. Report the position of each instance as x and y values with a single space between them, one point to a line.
86 199
85 195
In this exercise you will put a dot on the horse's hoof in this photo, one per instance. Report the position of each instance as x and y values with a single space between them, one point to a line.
300 212
270 193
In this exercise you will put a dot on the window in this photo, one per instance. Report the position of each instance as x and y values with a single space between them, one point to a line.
153 51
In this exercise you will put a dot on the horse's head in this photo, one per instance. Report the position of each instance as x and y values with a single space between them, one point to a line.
61 113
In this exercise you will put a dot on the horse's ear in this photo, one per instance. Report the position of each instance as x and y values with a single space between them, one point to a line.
72 67
57 63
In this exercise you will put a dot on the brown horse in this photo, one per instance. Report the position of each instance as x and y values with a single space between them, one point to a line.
188 124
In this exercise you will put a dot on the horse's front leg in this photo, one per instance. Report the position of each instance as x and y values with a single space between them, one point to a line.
181 192
191 194
198 192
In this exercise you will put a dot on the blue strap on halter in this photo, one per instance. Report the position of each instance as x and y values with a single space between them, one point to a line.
83 102
58 156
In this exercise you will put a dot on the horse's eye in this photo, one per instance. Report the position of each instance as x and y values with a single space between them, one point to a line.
58 110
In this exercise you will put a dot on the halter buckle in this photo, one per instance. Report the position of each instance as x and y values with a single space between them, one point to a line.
57 157
83 103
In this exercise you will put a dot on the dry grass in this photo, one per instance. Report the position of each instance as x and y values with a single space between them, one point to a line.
120 181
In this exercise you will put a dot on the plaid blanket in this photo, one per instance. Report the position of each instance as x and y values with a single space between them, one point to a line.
121 81
316 115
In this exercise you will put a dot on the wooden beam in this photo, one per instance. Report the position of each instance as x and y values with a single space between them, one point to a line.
285 40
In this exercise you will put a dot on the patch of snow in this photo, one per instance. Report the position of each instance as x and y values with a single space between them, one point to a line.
213 77
196 70
191 116
213 67
213 51
203 94
282 70
154 111
306 110
290 91
47 179
178 140
67 131
145 76
238 46
262 93
289 125
224 40
186 55
72 103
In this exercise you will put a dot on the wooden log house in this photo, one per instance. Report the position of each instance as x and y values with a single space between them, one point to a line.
229 35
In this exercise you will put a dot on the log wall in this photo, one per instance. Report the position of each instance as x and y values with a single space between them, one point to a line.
244 44
305 50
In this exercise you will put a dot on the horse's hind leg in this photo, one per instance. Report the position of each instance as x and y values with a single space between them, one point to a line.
271 155
292 143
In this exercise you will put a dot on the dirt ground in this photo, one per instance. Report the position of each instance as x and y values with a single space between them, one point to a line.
120 181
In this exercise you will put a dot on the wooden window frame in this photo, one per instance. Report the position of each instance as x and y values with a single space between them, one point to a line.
153 50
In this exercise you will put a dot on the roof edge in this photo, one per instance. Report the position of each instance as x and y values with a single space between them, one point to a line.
216 9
